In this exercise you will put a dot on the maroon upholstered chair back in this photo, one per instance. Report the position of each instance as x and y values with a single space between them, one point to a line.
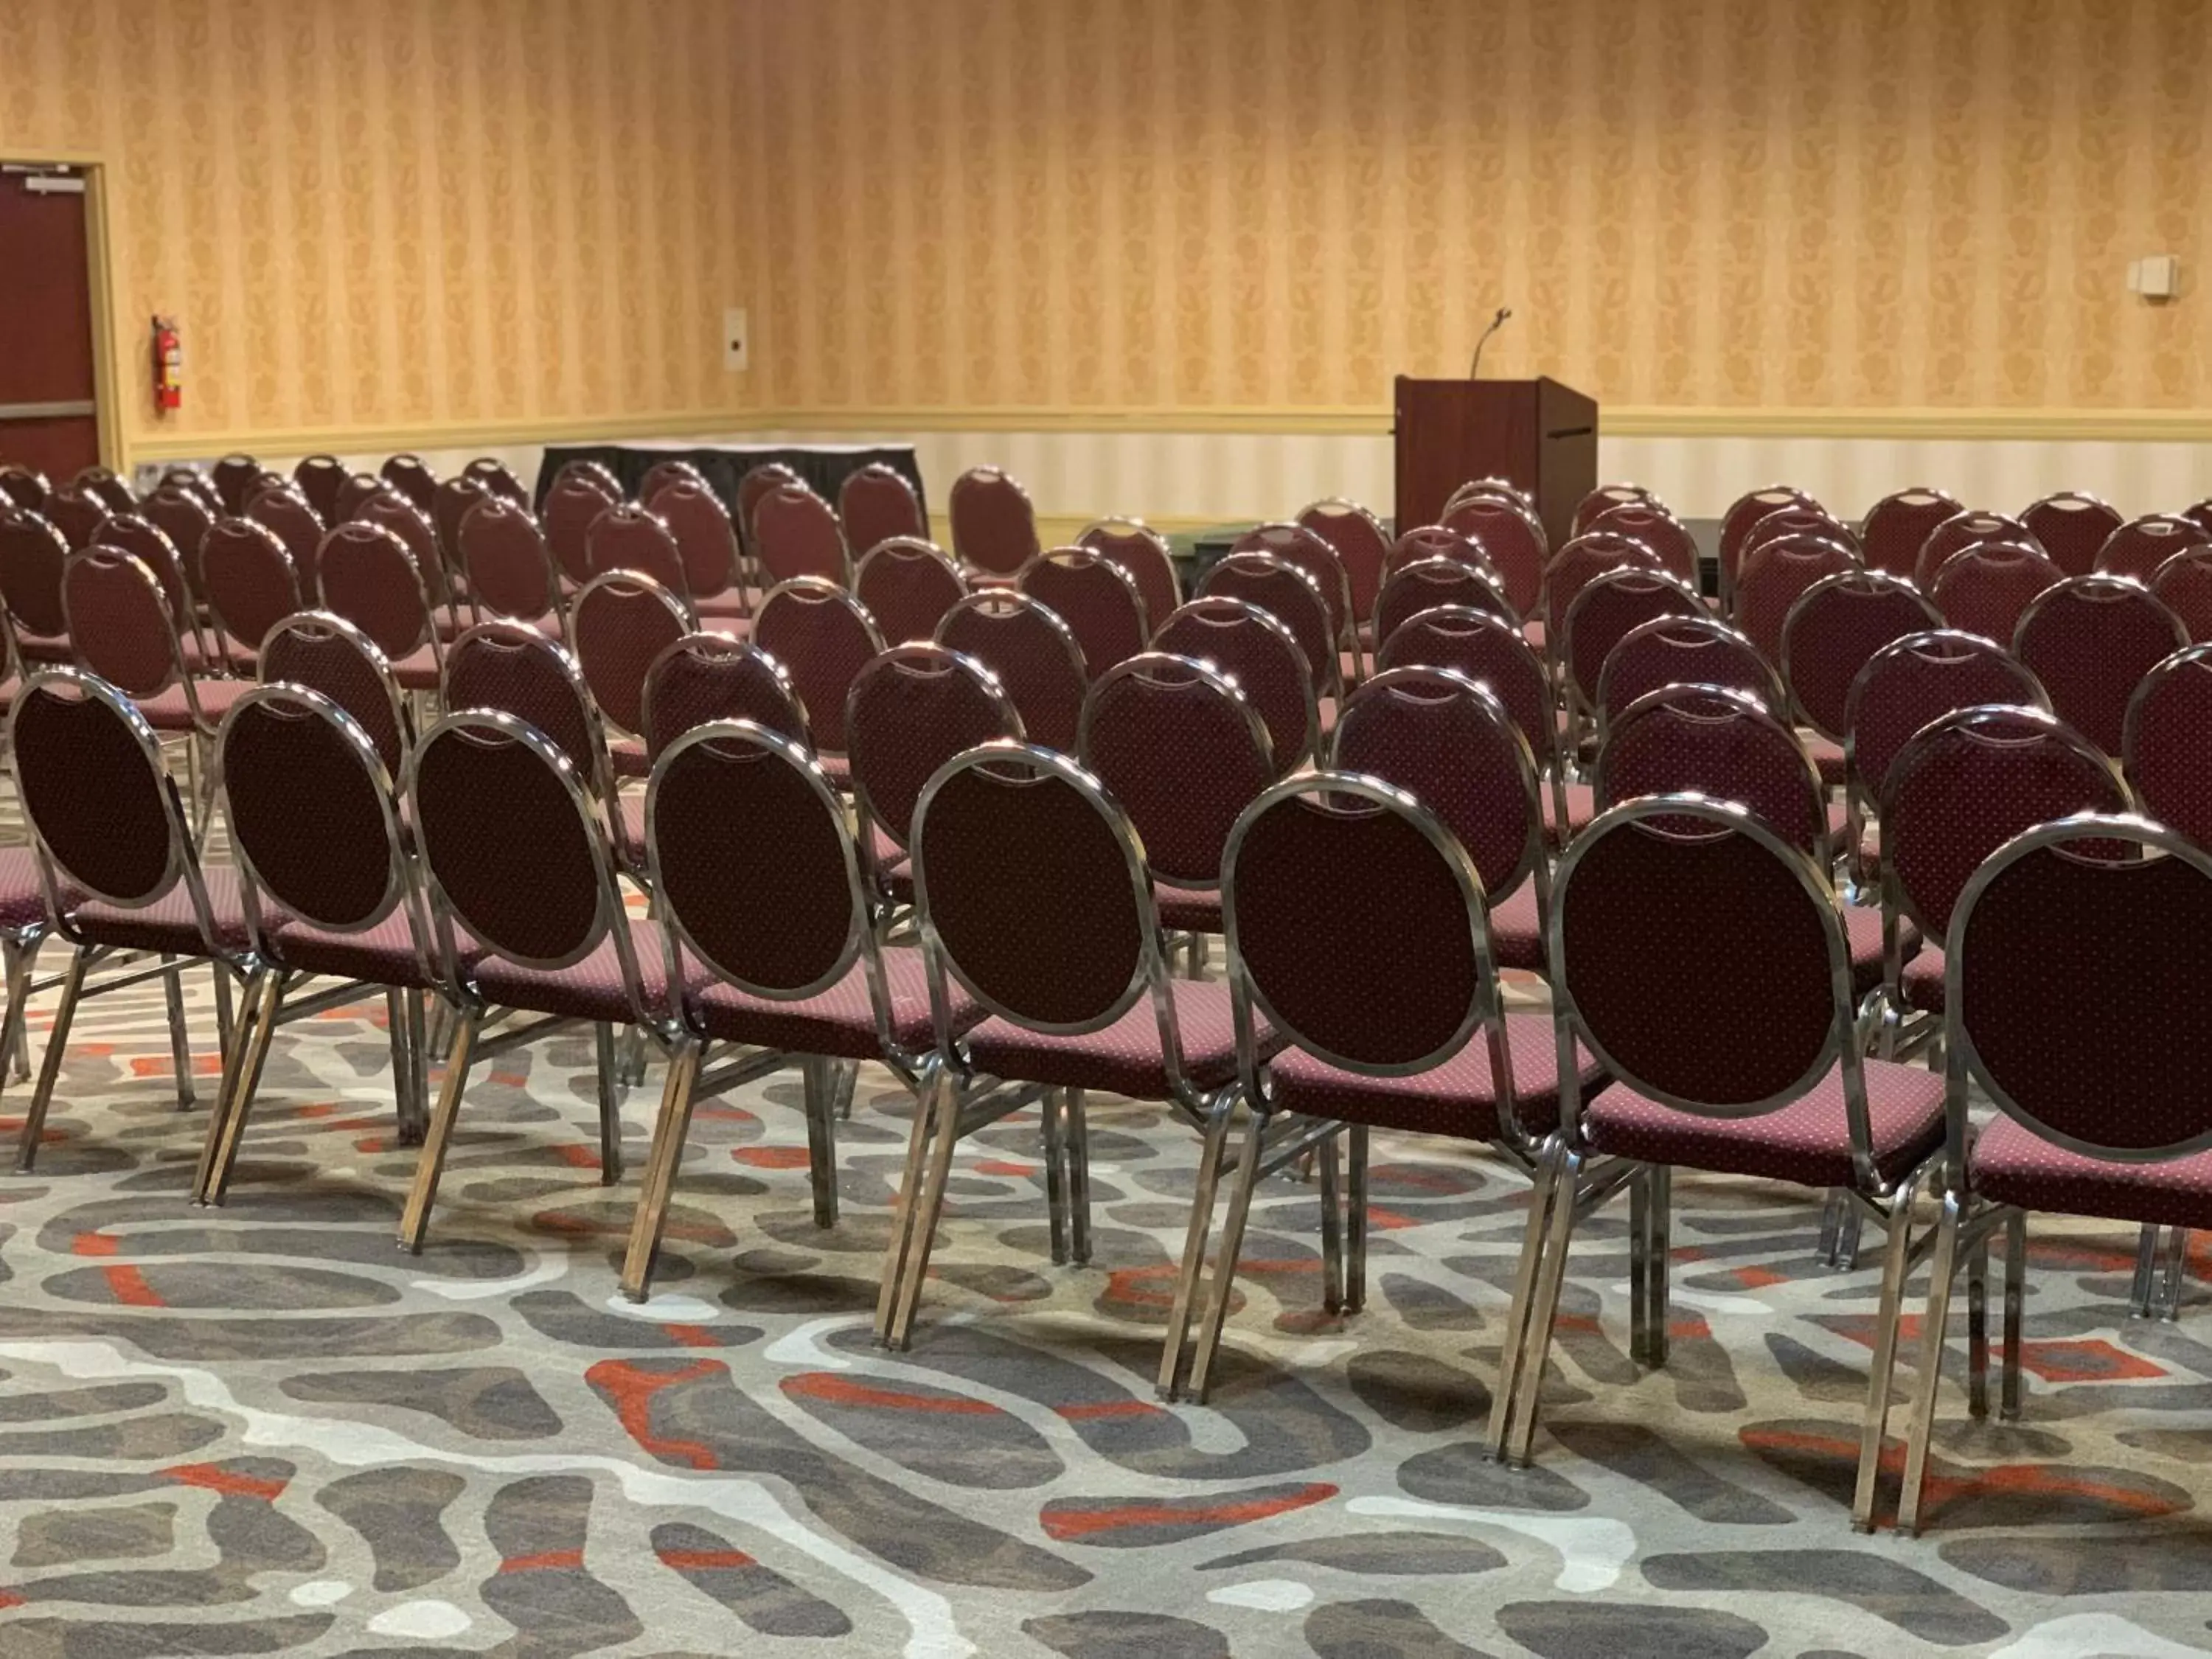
1451 746
1606 497
101 484
1096 598
1436 541
1969 782
1310 551
661 474
706 540
411 478
571 506
756 483
1512 539
97 799
457 497
630 539
1898 524
1986 588
185 518
119 622
795 533
192 481
712 677
1774 574
1361 545
1142 552
297 524
23 486
233 476
1610 605
319 479
1357 925
994 525
1263 658
1179 747
75 514
595 472
2072 527
908 585
1427 583
507 831
1706 740
1959 532
31 552
1491 489
433 559
1919 678
2078 988
146 542
370 578
1290 595
1034 655
823 636
356 492
1744 513
328 655
312 812
1031 889
1580 562
1838 624
1658 530
2091 639
510 569
2200 515
2183 584
876 503
2169 731
1736 905
621 621
1492 652
1683 651
912 708
2140 546
752 861
248 578
1792 521
506 668
494 475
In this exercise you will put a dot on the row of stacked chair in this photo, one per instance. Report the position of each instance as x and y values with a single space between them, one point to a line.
1404 822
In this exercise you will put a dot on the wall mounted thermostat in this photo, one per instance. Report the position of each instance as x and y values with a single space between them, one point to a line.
2157 278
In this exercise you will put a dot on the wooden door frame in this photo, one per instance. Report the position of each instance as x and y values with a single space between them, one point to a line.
109 350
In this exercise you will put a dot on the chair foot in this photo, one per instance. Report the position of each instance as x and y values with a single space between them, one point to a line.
662 1161
1218 1112
821 1092
34 1120
1225 1261
414 1223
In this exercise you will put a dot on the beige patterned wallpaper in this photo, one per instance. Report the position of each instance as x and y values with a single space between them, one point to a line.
402 215
1238 205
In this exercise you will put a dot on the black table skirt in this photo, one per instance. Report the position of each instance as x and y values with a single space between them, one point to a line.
825 468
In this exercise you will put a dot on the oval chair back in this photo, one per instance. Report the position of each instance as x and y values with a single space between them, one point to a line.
994 525
504 668
1307 551
1034 655
1580 562
185 518
630 539
876 503
2183 584
2140 546
1495 655
661 474
511 574
249 580
1360 543
494 475
622 621
757 482
1775 576
908 585
1606 498
1682 650
23 486
1144 553
1512 538
1610 605
76 513
2072 528
706 540
1707 740
1919 678
120 625
1833 628
796 533
147 543
1261 657
356 492
1291 596
321 652
1898 524
433 560
2091 639
1961 530
371 579
1436 541
2164 750
1096 598
1745 512
1987 588
703 678
32 554
912 708
569 510
1658 530
823 636
1427 583
297 524
233 476
409 476
319 478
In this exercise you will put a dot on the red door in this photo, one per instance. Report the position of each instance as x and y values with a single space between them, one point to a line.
47 416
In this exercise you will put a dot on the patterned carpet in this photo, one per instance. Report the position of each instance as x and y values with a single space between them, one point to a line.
262 1431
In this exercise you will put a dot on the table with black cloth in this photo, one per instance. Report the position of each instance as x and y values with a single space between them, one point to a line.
824 466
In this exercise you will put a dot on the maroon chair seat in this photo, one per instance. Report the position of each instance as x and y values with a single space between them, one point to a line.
839 1021
1126 1057
1516 930
591 988
1458 1098
22 899
1807 1142
170 924
203 705
1828 760
1188 909
1921 983
382 954
1580 809
2012 1164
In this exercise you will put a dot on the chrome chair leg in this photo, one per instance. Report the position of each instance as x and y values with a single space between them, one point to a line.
2015 1289
414 1116
1077 1134
1657 1243
415 1221
848 1075
1055 1175
180 1039
1218 1115
1942 1269
944 1140
899 1244
1847 1241
34 1120
223 1016
1832 1206
1639 1267
820 1080
1543 1315
234 1057
634 1059
1225 1260
1977 1330
2177 1266
14 1034
1883 1368
651 1219
1355 1217
1545 1182
1331 1189
2140 1294
610 1071
225 1136
403 1059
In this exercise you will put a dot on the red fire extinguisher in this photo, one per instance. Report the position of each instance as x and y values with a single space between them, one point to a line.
168 364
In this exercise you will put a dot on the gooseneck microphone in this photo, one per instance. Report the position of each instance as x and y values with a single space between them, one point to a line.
1474 369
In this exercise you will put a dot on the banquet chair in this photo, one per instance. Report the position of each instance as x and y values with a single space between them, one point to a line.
442 569
1491 487
496 477
2140 546
31 555
23 486
1034 655
1362 547
1425 584
670 469
123 632
2163 748
1307 551
707 545
358 490
2094 1075
1898 527
1579 563
232 477
1512 539
1918 678
102 485
508 570
1832 629
908 585
1777 1091
1399 1024
368 577
1658 530
1290 594
598 473
2183 584
1607 608
319 478
1775 576
622 620
1736 525
1251 648
759 481
75 514
1684 650
911 709
823 637
630 539
1437 541
1095 597
714 677
185 518
1143 553
1962 530
994 524
796 533
296 525
1034 906
1987 588
2091 639
504 668
1607 498
769 943
569 510
409 476
320 652
2072 527
250 584
876 502
150 545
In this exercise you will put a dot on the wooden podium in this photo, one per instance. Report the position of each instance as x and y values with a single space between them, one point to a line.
1539 433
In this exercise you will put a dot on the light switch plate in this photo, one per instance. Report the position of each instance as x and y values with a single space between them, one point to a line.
736 341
